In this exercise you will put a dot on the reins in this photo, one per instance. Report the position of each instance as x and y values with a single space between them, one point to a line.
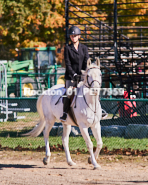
88 105
89 86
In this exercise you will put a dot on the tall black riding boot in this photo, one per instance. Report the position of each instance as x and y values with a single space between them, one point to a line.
66 107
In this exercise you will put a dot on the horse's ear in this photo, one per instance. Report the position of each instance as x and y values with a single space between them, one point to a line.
98 61
88 62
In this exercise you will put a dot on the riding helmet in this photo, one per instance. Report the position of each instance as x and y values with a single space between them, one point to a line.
74 30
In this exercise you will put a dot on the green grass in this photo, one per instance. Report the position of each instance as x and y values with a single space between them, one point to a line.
29 116
117 142
74 142
10 136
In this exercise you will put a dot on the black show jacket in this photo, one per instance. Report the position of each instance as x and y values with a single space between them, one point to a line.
75 60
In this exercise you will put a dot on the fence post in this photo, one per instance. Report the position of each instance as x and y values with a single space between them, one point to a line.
48 80
55 73
20 85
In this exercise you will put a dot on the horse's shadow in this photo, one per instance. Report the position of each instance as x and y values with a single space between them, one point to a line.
71 168
21 166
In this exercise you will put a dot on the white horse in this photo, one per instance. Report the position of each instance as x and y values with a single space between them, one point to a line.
88 113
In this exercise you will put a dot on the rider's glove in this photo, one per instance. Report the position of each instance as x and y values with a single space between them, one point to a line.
75 77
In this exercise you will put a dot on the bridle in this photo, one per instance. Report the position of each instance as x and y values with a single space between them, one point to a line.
90 84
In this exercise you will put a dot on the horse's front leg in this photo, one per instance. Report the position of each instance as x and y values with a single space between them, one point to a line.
97 134
65 141
85 134
46 131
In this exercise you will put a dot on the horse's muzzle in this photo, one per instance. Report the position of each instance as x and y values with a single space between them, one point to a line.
94 91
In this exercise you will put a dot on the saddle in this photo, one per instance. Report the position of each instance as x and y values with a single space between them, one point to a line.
73 98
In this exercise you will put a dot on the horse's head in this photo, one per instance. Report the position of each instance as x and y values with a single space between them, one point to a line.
93 76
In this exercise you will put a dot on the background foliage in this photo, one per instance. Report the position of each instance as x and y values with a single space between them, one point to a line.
25 23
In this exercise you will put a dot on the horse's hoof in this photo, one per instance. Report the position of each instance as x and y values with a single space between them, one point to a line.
89 160
97 167
71 163
45 161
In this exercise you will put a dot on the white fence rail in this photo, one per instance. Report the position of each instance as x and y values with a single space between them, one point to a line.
3 92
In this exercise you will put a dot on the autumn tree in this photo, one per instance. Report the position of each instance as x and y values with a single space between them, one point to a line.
24 23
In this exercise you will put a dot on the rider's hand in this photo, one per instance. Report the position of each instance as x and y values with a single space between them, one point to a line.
75 77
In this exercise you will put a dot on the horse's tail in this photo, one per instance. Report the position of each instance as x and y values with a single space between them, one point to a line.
40 126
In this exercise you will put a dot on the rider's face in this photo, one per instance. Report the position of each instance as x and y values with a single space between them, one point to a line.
74 38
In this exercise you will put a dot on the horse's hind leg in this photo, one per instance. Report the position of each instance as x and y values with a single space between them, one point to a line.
65 141
46 131
97 134
85 134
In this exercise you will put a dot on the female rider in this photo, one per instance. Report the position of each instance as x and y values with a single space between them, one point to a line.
75 56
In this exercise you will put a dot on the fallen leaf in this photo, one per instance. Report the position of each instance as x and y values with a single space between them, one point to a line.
128 153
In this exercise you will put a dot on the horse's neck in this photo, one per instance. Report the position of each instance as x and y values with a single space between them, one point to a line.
90 99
